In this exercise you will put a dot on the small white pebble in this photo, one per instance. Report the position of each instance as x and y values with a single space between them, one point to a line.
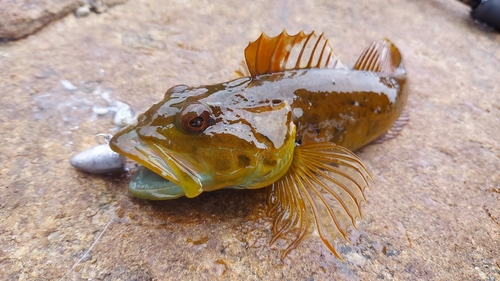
124 115
68 85
82 11
100 110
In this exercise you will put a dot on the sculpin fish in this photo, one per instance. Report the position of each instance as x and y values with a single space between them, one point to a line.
288 123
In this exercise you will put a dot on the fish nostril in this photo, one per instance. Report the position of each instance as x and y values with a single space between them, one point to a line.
276 101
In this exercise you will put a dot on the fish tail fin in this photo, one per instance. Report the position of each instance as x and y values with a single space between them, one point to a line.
381 56
321 192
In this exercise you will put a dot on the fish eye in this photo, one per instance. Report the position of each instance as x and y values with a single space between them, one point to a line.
195 118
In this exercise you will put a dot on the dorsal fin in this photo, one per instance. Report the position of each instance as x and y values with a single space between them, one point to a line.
286 52
380 56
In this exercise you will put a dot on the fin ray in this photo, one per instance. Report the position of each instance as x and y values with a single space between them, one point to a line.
287 52
337 197
338 183
396 127
309 198
336 171
380 56
327 206
242 70
319 227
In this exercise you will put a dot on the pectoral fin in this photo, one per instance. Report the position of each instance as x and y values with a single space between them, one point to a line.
322 191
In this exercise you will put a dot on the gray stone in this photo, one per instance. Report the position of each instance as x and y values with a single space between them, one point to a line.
21 18
82 11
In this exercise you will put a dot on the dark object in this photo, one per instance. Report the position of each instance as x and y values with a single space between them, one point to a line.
485 11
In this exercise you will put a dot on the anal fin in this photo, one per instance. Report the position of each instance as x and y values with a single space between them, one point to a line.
396 128
322 191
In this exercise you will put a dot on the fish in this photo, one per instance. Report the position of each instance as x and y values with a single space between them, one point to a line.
288 123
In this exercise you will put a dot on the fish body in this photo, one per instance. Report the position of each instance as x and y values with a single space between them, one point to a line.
289 125
348 108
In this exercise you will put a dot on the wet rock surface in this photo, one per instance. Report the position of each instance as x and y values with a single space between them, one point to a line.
22 18
432 212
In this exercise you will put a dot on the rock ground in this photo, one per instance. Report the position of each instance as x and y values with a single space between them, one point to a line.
432 212
22 18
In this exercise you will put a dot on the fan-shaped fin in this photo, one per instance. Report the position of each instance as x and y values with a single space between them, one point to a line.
322 191
286 52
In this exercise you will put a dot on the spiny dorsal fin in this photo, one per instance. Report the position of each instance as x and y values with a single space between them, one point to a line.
242 70
286 52
380 56
321 191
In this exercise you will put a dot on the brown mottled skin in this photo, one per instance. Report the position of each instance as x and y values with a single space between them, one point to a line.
340 106
349 108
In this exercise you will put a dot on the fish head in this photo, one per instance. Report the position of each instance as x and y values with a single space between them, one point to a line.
208 137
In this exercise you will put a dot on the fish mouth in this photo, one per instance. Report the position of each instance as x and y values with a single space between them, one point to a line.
146 184
130 144
157 159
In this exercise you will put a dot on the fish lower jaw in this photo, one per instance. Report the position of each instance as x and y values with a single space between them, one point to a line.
168 175
146 184
147 153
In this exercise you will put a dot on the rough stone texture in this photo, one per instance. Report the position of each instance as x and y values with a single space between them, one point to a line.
21 18
432 213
